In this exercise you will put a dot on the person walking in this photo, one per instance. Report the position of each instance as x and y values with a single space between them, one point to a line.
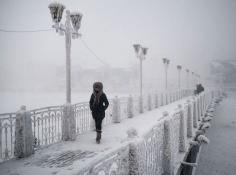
98 104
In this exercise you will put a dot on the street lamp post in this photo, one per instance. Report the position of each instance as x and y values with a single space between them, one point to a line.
166 63
140 52
193 79
74 18
179 68
187 78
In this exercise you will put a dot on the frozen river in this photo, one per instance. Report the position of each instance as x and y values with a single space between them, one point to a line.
11 101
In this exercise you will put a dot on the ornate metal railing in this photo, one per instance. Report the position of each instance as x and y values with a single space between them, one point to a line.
46 122
46 125
7 135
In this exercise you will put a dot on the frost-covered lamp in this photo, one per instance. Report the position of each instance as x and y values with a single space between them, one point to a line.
179 67
56 10
144 49
76 18
137 48
166 61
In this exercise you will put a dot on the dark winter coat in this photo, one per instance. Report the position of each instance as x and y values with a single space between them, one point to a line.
98 109
199 89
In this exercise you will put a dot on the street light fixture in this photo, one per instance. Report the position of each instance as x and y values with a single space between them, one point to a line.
166 63
140 52
179 68
74 18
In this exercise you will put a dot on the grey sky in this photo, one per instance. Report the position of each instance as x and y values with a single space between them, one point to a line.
188 32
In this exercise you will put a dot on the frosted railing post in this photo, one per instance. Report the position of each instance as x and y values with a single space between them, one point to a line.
156 101
162 100
133 159
0 139
166 94
116 113
167 155
140 104
182 135
201 106
23 134
149 102
189 120
198 109
195 124
170 97
212 94
68 123
130 107
204 103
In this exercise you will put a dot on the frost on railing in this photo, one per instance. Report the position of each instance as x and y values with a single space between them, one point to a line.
116 162
46 125
123 108
83 117
46 122
7 135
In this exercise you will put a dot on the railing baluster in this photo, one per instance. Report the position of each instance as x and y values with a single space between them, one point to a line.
42 129
49 128
11 134
38 137
1 139
6 142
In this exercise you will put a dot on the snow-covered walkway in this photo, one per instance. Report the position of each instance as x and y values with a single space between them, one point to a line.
219 157
68 157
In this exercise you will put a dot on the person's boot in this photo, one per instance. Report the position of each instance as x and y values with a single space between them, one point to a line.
99 136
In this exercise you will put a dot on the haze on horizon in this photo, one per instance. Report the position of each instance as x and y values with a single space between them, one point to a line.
190 33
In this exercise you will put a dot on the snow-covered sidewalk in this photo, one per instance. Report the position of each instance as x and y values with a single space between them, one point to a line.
219 157
69 157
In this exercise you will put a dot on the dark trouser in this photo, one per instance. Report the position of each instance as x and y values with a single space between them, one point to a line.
98 124
98 117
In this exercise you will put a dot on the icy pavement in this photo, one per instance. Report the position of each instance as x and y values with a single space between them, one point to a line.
69 157
219 157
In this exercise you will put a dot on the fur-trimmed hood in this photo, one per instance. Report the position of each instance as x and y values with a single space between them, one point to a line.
99 86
